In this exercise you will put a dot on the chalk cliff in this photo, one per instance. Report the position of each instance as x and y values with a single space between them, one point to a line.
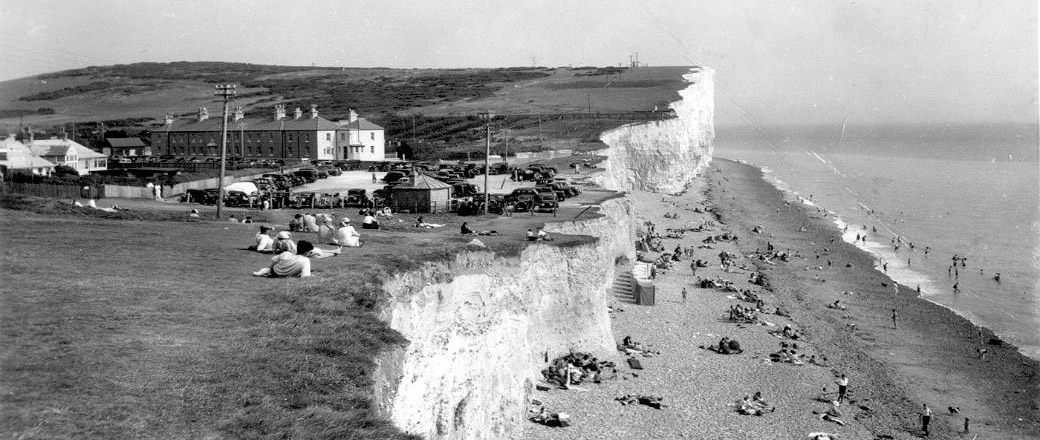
480 326
664 156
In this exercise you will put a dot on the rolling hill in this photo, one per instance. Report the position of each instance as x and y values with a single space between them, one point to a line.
436 106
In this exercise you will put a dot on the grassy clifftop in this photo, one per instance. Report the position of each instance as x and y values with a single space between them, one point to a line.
428 105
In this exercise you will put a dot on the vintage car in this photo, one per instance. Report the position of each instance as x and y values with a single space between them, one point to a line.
201 196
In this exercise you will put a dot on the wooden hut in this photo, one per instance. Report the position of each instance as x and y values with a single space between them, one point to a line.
421 193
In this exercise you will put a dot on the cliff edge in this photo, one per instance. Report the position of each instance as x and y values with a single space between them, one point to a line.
665 156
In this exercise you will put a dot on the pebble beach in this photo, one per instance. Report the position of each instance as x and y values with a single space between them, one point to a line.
928 355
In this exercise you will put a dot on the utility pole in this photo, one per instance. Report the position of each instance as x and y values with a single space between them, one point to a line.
505 140
486 116
588 97
227 91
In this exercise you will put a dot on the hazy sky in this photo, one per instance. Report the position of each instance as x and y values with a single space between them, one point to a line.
814 61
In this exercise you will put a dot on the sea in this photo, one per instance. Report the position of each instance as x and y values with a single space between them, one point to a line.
922 195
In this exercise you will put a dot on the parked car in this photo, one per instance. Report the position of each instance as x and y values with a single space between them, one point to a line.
308 174
560 194
547 202
394 177
201 196
237 198
356 197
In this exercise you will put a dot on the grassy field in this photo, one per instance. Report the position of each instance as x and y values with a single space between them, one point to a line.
155 329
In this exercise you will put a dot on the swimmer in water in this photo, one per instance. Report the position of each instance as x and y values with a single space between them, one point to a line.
996 277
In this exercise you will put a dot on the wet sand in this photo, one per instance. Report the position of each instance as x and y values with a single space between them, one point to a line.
933 357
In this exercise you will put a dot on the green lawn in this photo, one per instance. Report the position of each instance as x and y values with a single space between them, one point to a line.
128 329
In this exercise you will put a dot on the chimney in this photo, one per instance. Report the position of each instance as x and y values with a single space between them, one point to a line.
279 112
353 116
169 118
314 111
203 114
239 113
297 114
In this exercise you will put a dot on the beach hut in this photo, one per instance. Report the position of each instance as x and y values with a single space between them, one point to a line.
421 193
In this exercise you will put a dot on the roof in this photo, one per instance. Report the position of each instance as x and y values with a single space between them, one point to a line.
360 124
19 156
129 142
253 124
59 147
422 181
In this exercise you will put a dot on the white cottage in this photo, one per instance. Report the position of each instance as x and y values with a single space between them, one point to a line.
360 139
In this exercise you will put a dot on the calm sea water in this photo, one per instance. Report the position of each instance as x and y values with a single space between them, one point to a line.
970 191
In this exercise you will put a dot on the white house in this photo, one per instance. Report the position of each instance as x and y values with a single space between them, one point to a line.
16 158
63 151
360 139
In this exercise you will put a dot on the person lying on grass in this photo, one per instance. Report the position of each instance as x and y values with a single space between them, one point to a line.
288 264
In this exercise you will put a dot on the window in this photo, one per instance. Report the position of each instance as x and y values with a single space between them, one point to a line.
328 136
270 137
373 150
342 136
306 137
372 135
290 137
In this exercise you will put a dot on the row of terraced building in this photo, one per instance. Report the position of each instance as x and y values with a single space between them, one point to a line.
300 137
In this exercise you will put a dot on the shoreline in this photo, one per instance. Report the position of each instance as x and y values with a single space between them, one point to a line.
932 357
934 352
899 272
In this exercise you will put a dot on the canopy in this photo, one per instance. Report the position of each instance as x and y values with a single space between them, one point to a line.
246 187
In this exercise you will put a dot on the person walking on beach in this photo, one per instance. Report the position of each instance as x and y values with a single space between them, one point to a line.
895 319
843 387
693 267
926 419
684 295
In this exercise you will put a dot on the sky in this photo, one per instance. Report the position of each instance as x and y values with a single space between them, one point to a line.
776 61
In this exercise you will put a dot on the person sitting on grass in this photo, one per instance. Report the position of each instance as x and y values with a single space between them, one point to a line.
385 212
193 215
465 230
283 243
289 264
542 235
369 222
296 224
326 230
310 222
264 242
346 235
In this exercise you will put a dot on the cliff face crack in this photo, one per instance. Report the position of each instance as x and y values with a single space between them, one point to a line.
480 327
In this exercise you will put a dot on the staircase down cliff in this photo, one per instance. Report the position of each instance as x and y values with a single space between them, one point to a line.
664 156
481 326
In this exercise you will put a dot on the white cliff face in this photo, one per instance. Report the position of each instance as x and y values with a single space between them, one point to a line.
480 327
664 156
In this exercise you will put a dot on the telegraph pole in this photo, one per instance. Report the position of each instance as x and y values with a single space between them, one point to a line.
227 91
486 116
